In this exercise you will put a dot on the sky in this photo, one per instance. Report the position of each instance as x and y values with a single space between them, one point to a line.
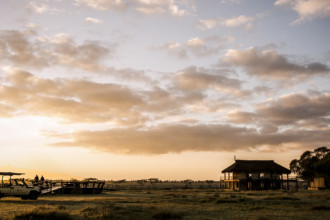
168 89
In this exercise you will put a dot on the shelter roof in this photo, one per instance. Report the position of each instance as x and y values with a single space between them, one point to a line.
251 166
10 173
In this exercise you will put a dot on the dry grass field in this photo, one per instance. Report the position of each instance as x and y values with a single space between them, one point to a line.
172 204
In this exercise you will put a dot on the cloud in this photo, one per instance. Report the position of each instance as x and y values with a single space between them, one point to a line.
267 63
26 49
246 22
206 24
93 20
161 139
201 79
68 100
199 47
147 7
102 5
230 1
241 117
174 49
17 48
87 56
179 138
189 91
41 8
159 7
307 9
297 109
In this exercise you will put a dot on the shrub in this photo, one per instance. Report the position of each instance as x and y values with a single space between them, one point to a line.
219 201
41 215
322 207
166 214
88 211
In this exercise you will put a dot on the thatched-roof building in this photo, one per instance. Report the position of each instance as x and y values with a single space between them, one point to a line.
254 175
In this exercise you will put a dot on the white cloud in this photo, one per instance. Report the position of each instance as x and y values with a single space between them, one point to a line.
246 22
159 7
307 9
200 47
32 25
41 8
206 24
195 42
147 7
102 5
93 20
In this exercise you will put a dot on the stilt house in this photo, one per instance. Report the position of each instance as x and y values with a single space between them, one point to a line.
254 175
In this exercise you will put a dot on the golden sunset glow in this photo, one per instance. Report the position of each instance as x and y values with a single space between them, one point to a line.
169 89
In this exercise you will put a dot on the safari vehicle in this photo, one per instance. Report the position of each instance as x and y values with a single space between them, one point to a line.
17 187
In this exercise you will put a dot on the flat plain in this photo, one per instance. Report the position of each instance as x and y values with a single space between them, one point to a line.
173 204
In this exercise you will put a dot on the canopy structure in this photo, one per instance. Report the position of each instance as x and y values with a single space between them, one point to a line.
10 174
251 166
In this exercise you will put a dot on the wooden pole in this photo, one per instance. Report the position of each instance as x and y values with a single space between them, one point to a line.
297 183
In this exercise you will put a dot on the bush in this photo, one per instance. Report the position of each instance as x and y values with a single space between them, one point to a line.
166 214
322 207
89 211
39 215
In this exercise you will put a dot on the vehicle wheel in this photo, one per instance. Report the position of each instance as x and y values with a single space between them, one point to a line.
24 197
33 195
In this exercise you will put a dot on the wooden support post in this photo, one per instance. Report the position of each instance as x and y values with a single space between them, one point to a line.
287 181
297 183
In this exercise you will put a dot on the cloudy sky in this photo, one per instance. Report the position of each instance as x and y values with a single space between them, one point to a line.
171 89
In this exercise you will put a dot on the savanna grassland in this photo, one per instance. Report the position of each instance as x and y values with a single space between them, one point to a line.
172 204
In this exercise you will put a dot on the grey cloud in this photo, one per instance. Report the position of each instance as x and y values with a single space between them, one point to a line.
86 56
25 49
16 47
193 78
241 117
295 108
270 64
179 138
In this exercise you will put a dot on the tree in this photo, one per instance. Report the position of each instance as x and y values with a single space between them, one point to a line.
312 164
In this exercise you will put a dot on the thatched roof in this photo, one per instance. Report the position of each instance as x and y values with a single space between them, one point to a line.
255 166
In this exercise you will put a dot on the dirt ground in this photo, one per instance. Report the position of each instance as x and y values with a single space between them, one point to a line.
172 204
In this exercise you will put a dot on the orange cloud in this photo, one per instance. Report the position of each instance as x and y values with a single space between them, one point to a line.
178 138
